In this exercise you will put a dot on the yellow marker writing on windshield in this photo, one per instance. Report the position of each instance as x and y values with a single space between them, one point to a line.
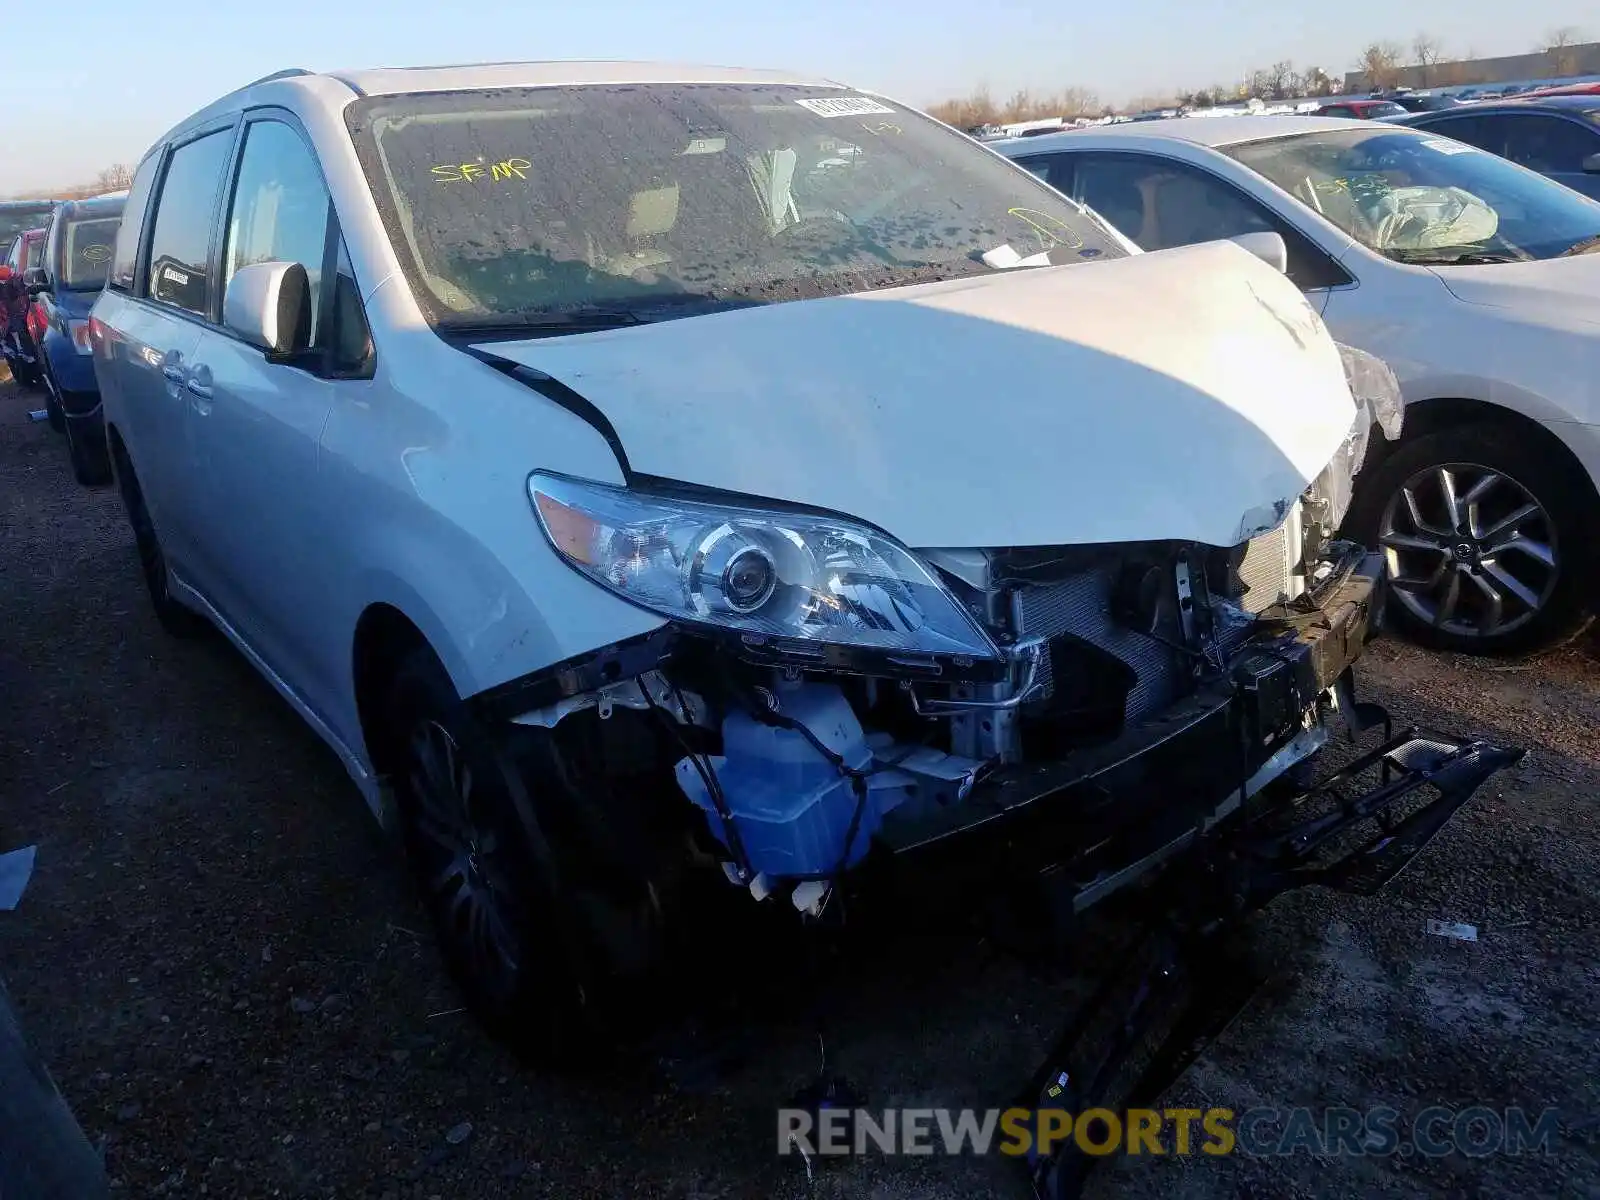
471 172
1050 229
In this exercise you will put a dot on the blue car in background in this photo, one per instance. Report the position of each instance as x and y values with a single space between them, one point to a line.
77 259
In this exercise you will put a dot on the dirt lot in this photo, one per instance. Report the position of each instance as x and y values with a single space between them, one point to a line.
220 960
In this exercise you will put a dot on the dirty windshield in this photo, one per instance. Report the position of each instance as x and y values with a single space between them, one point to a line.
1426 199
664 199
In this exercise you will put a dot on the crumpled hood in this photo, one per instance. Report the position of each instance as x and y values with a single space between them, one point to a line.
1567 290
1187 394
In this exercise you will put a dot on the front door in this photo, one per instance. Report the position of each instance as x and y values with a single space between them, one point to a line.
255 423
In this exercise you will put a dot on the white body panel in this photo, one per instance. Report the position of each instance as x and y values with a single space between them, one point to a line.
1189 395
1523 336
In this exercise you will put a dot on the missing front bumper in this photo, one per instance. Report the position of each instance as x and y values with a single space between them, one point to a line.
1100 817
1181 984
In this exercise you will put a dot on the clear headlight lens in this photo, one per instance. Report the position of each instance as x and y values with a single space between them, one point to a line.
767 573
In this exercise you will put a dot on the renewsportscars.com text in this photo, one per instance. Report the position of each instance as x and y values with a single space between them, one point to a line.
1476 1131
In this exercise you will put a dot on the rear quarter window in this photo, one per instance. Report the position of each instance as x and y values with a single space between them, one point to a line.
125 257
180 238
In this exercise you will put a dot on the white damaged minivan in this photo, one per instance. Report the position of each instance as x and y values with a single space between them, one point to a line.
649 475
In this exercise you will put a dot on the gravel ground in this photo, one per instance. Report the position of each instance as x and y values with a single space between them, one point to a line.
220 959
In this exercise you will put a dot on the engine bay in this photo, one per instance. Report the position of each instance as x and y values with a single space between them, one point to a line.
795 771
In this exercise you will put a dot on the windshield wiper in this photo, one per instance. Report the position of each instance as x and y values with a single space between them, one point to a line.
590 318
1587 246
562 320
1452 258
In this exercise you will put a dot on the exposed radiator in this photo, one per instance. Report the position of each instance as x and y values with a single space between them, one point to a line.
1267 572
1081 606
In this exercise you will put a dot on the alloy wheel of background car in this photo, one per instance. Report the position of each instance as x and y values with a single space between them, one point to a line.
1470 550
1471 524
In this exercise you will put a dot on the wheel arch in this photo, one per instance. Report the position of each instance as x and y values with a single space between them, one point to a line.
1443 412
388 632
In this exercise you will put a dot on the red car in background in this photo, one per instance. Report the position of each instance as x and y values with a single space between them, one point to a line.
1362 110
1569 89
22 329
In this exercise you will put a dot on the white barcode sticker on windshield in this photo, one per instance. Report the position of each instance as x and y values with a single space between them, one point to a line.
843 106
1446 146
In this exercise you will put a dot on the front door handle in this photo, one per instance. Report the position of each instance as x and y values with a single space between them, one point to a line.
176 374
199 385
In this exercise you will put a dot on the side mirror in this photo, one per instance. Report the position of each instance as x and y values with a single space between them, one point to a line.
269 305
35 280
1269 247
1591 165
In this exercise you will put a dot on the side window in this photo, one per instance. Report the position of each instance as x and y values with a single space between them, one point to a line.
180 245
1486 133
1336 110
1549 145
280 208
125 258
1160 204
1054 169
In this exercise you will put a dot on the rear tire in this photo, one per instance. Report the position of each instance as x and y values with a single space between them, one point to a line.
1509 570
91 462
52 406
173 616
530 944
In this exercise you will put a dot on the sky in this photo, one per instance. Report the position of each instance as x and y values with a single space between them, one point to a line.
129 69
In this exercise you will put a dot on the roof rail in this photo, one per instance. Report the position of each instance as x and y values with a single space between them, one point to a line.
288 73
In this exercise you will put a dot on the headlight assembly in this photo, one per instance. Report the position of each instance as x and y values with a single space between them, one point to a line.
761 573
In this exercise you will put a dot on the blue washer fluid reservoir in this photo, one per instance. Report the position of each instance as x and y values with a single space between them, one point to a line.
791 805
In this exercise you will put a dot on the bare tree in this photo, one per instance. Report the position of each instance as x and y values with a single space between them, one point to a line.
1279 76
1019 107
114 178
1317 82
1380 63
1077 102
1426 50
1024 105
968 112
1558 44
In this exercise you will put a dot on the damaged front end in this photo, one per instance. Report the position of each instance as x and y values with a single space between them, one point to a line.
843 712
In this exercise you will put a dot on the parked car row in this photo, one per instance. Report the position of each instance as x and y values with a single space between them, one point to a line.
1475 278
54 274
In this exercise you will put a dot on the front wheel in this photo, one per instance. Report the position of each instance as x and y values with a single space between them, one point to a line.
527 938
1482 533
